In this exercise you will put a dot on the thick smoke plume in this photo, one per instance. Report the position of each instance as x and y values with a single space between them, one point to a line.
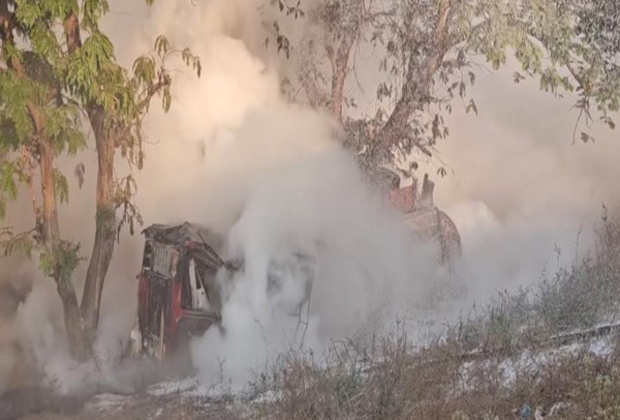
304 193
273 178
233 156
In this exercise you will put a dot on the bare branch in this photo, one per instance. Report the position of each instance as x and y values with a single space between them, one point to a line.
417 83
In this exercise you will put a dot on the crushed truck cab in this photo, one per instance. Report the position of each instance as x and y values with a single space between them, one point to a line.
182 285
178 295
184 280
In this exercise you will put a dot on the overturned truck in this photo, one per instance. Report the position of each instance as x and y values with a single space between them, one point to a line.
183 282
426 221
177 290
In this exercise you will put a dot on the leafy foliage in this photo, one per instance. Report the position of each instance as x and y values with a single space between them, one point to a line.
62 186
127 188
11 242
430 51
59 83
60 263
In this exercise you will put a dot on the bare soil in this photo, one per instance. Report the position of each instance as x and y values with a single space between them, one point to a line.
38 405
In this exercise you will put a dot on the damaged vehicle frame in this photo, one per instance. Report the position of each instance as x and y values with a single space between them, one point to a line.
183 284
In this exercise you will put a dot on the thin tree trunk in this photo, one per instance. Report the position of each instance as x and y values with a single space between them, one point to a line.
51 238
51 230
417 85
105 233
339 77
340 61
79 347
103 247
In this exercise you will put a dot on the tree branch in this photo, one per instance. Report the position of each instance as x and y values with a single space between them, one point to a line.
6 36
151 92
571 69
72 33
417 83
316 97
339 70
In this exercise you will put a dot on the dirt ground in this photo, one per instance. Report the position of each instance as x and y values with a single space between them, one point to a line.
144 407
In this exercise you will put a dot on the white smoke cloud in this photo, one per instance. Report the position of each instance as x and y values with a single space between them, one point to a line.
303 193
232 156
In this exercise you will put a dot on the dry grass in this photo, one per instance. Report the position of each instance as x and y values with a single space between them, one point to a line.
487 366
439 384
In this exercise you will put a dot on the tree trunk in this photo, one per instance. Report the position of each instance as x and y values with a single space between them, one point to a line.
340 61
337 97
50 228
103 247
105 233
51 238
79 347
417 86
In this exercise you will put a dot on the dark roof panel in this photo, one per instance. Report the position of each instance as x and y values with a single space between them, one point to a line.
186 234
178 234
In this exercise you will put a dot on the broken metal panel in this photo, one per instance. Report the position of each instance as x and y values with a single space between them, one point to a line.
212 288
426 196
386 179
181 290
426 221
198 290
436 228
404 199
165 258
189 235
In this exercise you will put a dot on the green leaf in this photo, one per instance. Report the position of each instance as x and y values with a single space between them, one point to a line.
471 107
166 100
7 181
67 259
62 187
92 11
162 45
46 264
11 243
144 70
586 138
518 77
610 123
80 171
472 78
27 12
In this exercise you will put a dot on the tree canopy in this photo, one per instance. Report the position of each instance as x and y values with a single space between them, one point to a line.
429 53
60 80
